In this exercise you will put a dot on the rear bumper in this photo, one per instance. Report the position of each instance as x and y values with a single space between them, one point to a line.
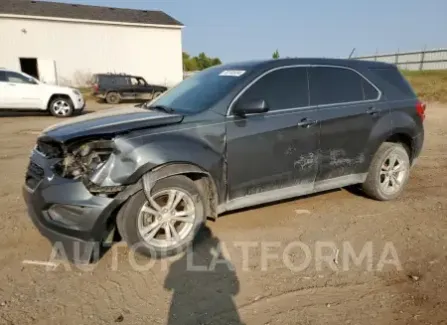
418 142
65 212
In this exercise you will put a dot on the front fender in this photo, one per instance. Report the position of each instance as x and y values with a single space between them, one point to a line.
137 156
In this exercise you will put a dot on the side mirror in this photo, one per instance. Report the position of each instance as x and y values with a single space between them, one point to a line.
250 107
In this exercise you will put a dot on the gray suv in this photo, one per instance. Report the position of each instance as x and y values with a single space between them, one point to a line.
229 137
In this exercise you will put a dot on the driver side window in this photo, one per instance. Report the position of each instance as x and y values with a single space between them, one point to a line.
17 78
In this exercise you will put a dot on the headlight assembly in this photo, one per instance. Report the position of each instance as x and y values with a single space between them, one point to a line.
85 159
77 92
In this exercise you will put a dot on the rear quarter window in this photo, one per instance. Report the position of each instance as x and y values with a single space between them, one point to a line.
393 84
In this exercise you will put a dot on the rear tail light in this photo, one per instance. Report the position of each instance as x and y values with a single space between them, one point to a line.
95 88
420 109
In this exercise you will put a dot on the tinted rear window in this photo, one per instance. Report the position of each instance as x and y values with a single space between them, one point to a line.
2 76
334 85
393 84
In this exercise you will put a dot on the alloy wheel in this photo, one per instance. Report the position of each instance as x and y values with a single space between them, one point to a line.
61 107
393 173
167 218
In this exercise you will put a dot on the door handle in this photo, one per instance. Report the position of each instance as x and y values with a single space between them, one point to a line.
372 111
306 123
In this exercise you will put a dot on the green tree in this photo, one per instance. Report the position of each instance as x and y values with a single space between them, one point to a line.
275 55
200 62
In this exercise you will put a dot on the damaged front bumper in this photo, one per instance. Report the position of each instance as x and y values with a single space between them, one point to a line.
65 211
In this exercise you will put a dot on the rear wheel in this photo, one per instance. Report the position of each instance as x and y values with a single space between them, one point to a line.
388 173
61 107
165 224
113 98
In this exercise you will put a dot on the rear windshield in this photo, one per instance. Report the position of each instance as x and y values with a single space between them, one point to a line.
202 90
393 84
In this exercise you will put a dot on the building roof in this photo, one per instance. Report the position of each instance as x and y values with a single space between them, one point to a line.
85 12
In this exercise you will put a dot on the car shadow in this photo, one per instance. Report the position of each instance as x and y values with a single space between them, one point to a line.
203 284
123 101
23 113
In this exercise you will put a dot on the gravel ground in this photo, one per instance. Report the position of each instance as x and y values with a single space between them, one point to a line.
401 281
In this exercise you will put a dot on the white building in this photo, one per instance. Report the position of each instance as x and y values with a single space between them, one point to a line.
65 44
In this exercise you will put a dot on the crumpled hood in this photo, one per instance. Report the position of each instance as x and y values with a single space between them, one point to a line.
109 122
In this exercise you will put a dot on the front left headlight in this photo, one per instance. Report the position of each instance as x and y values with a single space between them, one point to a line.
85 159
77 92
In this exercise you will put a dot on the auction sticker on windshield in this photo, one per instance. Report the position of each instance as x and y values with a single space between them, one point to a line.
232 73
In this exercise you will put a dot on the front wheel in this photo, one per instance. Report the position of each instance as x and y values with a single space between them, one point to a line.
388 173
167 223
61 107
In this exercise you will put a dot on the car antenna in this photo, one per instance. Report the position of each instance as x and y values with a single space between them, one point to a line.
352 52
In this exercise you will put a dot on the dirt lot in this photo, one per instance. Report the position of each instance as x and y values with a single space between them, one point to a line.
261 289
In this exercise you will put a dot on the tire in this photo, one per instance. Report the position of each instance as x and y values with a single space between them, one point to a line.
381 176
113 98
130 218
61 107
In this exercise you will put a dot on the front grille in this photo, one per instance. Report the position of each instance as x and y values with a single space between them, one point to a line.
34 175
49 149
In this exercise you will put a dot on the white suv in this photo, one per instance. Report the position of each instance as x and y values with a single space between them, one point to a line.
21 91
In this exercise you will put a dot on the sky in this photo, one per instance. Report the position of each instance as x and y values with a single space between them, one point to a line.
236 30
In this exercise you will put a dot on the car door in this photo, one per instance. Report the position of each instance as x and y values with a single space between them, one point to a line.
349 109
22 91
146 90
276 149
136 87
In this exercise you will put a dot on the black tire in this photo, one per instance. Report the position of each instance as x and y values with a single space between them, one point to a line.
373 186
127 219
113 98
61 107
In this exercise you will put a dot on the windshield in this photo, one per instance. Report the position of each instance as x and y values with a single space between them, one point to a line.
200 91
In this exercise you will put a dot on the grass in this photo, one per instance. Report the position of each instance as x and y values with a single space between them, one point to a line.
430 85
86 92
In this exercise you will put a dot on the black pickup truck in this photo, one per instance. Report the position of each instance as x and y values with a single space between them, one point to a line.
114 88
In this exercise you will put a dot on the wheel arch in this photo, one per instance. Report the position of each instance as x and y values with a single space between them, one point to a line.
203 179
396 127
58 95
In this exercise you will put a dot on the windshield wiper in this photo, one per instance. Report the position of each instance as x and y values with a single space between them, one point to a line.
162 108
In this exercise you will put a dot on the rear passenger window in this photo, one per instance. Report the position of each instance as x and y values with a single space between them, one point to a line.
330 85
281 89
